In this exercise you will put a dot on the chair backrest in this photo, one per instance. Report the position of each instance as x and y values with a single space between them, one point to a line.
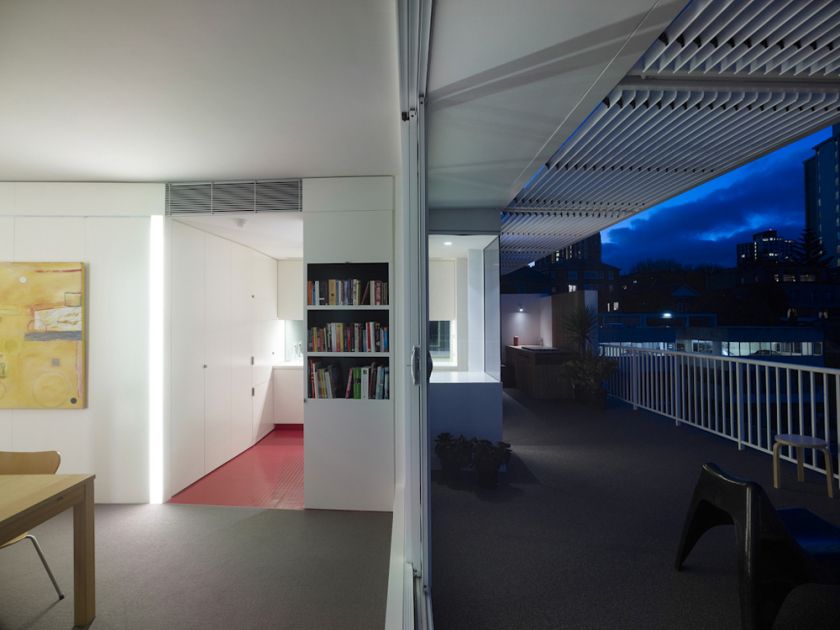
29 463
770 561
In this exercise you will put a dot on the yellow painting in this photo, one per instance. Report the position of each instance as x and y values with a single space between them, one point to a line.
42 336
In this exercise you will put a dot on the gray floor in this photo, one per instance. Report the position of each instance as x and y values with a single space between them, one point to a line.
184 566
584 534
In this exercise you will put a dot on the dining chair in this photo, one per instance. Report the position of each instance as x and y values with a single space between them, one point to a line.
37 463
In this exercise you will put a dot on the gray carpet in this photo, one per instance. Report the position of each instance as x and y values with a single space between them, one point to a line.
184 566
583 536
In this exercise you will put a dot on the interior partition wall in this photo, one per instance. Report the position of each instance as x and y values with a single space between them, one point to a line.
109 228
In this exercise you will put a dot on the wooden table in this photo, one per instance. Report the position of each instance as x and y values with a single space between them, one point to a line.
800 443
29 500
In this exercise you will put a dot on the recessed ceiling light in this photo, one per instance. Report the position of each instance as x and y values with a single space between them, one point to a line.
447 243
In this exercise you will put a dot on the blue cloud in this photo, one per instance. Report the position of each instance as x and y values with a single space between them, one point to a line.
703 225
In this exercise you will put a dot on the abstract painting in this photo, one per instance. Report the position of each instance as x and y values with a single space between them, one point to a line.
42 336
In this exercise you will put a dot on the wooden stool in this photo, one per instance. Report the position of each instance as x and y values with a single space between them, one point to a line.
800 443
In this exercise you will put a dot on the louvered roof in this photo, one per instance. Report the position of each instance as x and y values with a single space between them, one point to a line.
727 82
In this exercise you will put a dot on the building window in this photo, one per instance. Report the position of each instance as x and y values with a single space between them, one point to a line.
572 288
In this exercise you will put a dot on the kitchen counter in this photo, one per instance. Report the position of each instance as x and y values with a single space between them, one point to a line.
540 371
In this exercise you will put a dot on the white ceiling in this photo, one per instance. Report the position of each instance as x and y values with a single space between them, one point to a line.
275 234
184 90
509 81
459 245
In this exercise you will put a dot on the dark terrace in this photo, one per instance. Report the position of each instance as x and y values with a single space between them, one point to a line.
584 533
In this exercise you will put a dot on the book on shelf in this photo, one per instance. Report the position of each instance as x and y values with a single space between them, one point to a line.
351 292
348 337
365 382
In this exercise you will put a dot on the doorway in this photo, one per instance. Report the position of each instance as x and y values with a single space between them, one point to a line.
236 374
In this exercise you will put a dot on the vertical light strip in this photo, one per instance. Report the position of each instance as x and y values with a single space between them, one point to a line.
156 251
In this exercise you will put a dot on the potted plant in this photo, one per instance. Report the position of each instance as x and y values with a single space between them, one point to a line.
453 453
588 371
587 374
487 459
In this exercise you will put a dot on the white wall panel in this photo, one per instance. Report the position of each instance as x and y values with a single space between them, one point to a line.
69 431
351 466
335 237
290 289
263 410
117 250
6 422
82 199
242 380
7 238
348 194
186 422
218 447
57 239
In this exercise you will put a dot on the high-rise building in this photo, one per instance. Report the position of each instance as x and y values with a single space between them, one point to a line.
767 247
822 195
588 249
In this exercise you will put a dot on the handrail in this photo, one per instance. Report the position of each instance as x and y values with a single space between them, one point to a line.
814 368
743 400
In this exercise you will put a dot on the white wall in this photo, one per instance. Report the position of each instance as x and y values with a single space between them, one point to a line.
474 290
58 222
223 299
528 325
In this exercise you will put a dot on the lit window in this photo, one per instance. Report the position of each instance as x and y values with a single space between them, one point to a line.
572 288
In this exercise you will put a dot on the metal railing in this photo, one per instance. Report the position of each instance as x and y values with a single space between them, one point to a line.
746 401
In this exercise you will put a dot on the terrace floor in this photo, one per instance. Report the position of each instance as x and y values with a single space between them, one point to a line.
584 532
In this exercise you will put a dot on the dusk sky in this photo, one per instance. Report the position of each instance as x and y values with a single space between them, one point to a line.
704 224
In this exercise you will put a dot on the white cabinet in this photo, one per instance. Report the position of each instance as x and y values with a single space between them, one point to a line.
223 344
288 395
186 425
217 353
290 289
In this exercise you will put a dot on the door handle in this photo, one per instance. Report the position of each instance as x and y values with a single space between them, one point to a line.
415 365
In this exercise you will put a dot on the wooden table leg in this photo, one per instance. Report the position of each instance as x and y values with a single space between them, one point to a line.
829 472
83 559
800 463
776 447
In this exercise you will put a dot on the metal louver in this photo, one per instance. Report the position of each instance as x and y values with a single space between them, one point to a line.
727 82
281 195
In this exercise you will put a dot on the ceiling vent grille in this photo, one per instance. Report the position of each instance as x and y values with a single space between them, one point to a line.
281 195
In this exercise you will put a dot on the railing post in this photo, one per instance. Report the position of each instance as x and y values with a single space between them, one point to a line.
675 375
635 373
739 399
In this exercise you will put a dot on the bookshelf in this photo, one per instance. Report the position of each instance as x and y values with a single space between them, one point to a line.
348 319
348 442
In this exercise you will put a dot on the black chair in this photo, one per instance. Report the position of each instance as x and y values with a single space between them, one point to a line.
777 549
810 607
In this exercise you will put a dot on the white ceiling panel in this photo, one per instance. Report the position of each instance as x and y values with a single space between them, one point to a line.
175 90
508 82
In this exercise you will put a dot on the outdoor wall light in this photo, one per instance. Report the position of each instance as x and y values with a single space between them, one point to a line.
666 316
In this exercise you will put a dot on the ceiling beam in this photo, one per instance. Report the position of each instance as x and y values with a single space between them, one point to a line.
728 83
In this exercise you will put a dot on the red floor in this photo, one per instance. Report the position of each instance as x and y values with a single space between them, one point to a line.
267 475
